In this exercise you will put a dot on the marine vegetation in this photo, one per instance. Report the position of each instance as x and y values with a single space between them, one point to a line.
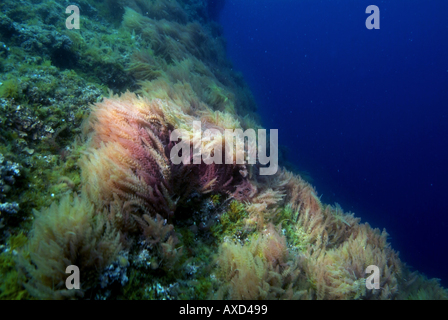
86 177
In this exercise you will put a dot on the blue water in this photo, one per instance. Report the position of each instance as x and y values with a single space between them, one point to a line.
364 111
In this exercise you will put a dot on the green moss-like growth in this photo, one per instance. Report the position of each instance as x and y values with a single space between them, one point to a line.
71 232
51 178
287 217
231 222
10 89
10 279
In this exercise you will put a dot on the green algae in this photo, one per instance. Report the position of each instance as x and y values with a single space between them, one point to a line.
11 279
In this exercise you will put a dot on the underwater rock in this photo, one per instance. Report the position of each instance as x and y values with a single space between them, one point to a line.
115 272
9 208
8 173
4 50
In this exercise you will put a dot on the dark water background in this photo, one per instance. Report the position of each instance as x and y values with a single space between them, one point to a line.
364 111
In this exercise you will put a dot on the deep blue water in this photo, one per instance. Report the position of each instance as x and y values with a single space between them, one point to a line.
364 111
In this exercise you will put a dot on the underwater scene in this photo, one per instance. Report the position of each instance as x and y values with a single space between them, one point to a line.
223 149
